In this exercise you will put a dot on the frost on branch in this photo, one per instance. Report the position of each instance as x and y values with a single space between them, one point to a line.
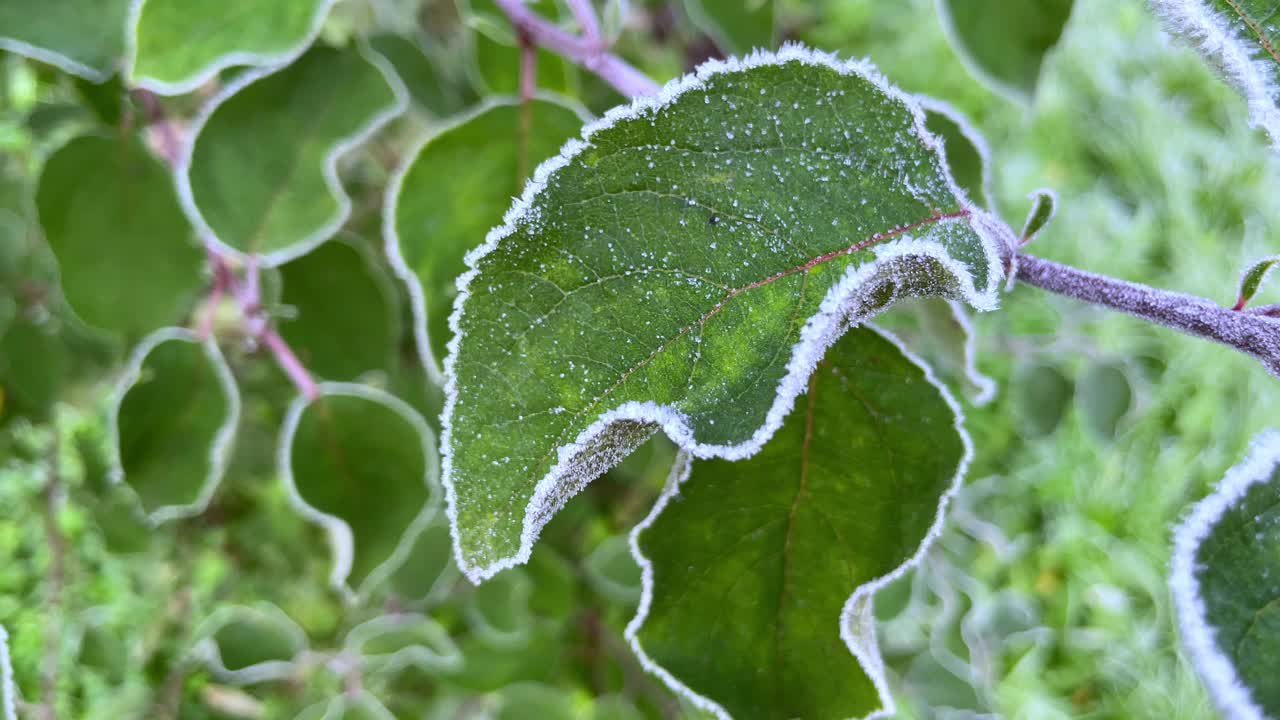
1240 38
1225 578
758 575
683 267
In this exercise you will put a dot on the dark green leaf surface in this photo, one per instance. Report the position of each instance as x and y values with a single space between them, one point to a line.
343 321
83 37
250 643
1044 205
262 176
1225 579
1105 396
1043 397
363 465
428 84
34 365
685 266
453 190
427 565
1004 42
1241 38
178 45
174 423
126 254
737 26
965 149
750 565
1253 277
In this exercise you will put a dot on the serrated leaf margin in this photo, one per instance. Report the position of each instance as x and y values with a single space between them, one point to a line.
857 623
820 331
391 203
329 167
218 64
338 531
207 651
1215 668
219 450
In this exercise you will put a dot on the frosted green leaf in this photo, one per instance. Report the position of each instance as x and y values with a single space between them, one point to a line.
342 319
175 46
261 176
391 643
736 26
1004 42
173 423
1241 39
127 259
684 266
759 574
246 644
8 690
1253 278
374 509
81 37
968 155
942 333
1225 578
358 705
469 180
1044 205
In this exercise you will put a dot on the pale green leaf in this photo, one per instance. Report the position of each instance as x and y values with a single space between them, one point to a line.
348 706
1251 279
262 176
246 644
498 611
736 26
759 574
342 319
536 700
1240 38
455 187
1225 578
685 266
1043 398
389 643
1004 42
613 573
173 423
373 509
175 46
81 37
1105 396
127 258
427 570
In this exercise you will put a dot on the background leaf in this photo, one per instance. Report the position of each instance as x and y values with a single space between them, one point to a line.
173 423
246 644
177 45
389 643
1004 42
845 493
262 175
967 153
81 37
374 507
1105 396
127 259
452 190
685 265
34 366
1225 578
737 26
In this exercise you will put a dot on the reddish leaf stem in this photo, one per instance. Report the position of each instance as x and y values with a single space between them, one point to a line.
1253 333
290 363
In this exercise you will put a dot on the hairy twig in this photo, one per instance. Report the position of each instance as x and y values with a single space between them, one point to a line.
582 51
1253 333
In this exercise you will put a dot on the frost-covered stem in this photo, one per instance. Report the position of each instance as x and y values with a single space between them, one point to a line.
611 68
586 17
57 572
1256 334
290 363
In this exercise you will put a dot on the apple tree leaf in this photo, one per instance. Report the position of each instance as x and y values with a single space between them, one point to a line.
175 46
1225 578
81 37
359 705
1241 39
261 175
247 644
362 464
127 259
1253 277
173 423
684 266
1004 42
968 155
736 26
455 187
1044 205
796 539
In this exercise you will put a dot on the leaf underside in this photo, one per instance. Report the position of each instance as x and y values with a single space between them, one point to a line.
1004 42
686 266
842 495
1226 579
83 37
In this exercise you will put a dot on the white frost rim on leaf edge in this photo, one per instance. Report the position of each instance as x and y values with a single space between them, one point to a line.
219 449
207 651
417 655
218 62
985 387
56 59
856 623
975 138
1217 670
338 531
329 165
961 48
8 689
819 332
336 709
391 204
1213 36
